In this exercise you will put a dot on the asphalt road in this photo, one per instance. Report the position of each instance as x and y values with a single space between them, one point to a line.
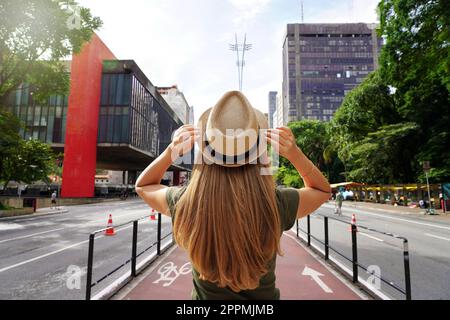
429 248
36 253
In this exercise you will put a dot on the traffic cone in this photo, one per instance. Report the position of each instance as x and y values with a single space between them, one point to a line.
153 215
110 229
353 223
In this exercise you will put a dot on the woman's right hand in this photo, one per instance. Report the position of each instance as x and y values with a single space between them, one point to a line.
283 141
183 140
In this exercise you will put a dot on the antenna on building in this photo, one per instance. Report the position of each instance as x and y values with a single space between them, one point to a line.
350 10
302 12
240 62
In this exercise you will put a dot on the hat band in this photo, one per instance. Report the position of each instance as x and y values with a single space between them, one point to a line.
231 159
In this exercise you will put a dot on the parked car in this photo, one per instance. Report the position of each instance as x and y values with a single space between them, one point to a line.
348 195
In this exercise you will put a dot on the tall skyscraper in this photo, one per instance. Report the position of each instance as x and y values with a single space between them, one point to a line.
280 118
322 63
272 107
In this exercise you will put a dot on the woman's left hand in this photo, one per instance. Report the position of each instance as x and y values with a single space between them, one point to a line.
283 141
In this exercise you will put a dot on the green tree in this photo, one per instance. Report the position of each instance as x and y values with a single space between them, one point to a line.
313 139
9 137
32 161
381 157
366 108
371 138
35 37
415 61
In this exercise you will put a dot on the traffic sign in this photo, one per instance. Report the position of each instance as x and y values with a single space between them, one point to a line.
426 166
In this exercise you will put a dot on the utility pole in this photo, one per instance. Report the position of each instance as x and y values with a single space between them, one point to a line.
240 61
426 169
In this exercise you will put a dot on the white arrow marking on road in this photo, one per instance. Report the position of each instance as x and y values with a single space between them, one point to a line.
315 275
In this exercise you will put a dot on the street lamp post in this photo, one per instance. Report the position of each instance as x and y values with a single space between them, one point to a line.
426 169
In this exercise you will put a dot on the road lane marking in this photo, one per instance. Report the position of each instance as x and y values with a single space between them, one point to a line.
10 226
437 237
54 252
372 237
30 235
394 218
17 226
59 216
41 256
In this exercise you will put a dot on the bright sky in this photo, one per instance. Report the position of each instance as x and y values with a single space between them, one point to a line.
185 42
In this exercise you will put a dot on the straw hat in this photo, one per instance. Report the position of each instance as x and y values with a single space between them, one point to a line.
231 132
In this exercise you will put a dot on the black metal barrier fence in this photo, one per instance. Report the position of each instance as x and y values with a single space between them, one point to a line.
134 254
354 259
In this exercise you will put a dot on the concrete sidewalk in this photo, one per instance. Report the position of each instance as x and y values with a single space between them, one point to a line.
39 213
300 276
398 210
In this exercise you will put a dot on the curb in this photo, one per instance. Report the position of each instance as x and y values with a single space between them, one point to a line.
377 209
33 215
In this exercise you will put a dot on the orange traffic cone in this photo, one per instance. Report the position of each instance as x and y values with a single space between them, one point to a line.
110 229
353 223
153 215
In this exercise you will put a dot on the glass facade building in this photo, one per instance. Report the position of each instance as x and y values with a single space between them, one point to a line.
135 123
322 63
132 112
114 108
45 122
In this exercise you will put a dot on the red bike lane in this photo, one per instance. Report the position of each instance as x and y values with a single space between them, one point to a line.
300 276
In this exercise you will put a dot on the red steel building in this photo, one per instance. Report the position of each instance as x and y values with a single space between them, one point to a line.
113 118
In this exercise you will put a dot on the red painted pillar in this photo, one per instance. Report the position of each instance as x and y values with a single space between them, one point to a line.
176 177
80 151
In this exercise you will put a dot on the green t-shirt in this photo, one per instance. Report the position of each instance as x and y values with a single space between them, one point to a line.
287 201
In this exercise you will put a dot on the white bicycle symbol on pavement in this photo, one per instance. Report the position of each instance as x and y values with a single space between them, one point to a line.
169 273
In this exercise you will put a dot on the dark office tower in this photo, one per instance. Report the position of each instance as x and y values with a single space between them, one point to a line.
322 63
272 107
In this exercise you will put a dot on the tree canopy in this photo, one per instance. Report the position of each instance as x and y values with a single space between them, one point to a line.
312 137
415 61
32 161
35 37
399 116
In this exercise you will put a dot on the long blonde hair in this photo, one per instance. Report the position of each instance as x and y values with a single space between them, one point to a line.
228 221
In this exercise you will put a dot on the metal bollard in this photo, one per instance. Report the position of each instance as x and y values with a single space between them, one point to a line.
308 220
134 249
407 273
325 227
158 245
354 254
89 266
